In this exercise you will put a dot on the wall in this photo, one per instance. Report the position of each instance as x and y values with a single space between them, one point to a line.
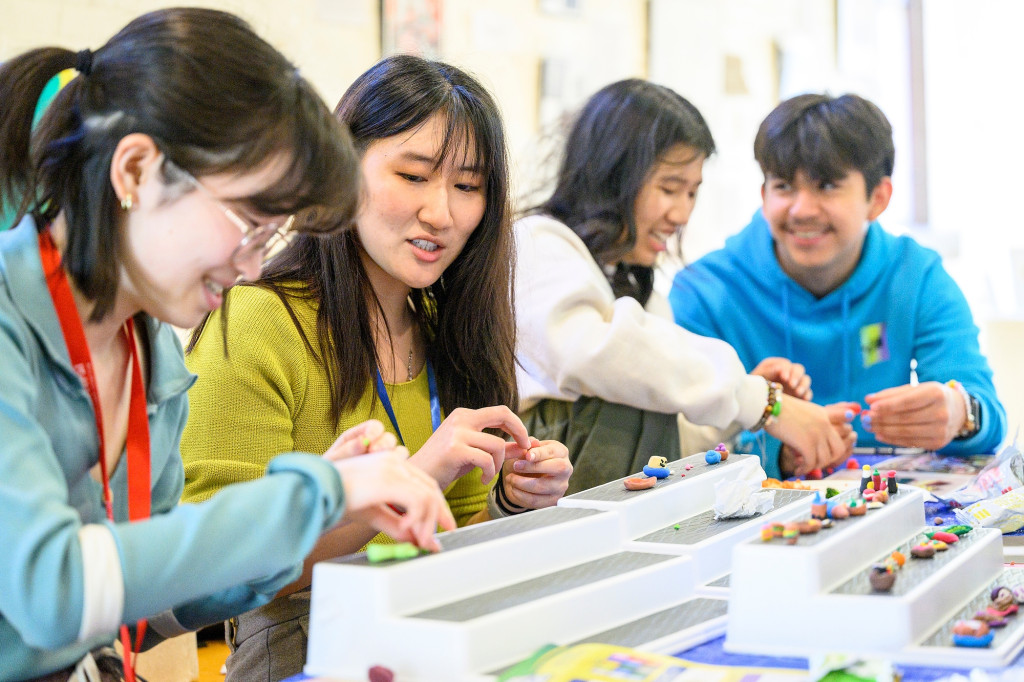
331 41
503 42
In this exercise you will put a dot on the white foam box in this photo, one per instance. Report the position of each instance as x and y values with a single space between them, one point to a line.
355 623
814 597
500 590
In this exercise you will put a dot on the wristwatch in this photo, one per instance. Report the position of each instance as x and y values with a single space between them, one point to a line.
973 422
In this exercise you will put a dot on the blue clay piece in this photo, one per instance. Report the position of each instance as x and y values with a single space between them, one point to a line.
713 457
656 472
969 640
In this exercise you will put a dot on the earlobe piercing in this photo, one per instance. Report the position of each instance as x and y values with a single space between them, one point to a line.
126 203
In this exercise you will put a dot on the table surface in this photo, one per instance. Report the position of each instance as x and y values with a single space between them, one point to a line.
711 652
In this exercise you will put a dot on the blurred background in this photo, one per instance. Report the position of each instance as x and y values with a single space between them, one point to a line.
945 72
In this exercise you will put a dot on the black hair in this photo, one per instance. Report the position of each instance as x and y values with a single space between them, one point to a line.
826 137
466 316
615 144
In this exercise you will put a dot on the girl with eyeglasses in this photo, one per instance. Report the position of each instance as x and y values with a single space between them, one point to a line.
407 319
157 178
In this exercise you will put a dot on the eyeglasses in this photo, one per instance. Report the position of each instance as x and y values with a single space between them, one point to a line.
257 240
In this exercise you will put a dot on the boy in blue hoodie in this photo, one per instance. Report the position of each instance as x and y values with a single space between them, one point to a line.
814 278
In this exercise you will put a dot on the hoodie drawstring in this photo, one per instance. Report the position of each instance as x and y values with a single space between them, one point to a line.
845 333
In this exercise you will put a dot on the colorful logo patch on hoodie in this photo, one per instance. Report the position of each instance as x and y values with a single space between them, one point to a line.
874 344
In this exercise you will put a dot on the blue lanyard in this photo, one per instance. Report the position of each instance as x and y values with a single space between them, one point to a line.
435 402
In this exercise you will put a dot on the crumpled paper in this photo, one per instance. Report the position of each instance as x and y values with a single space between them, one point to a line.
1005 472
1005 512
740 498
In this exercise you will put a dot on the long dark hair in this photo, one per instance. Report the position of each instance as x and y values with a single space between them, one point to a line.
213 96
617 139
467 315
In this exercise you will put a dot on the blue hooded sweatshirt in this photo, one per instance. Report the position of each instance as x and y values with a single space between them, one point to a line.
898 305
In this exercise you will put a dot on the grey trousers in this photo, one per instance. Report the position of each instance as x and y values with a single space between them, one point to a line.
268 644
606 440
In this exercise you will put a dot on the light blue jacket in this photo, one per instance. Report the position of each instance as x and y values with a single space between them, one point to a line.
187 566
898 305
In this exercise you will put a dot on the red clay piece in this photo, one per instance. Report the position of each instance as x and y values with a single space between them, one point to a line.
379 673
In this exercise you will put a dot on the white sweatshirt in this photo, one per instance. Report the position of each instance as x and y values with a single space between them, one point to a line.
576 339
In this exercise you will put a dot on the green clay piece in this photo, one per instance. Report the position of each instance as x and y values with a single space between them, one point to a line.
830 492
528 665
676 526
376 553
959 530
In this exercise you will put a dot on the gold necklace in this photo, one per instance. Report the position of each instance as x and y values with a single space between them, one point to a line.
409 365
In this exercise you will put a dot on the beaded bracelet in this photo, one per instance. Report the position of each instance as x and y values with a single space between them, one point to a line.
970 425
498 504
773 408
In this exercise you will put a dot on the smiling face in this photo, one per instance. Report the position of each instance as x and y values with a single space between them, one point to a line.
819 226
416 217
665 202
180 242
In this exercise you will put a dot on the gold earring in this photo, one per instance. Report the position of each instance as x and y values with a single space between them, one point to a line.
126 203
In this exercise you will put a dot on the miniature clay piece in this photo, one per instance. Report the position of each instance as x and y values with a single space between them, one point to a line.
688 467
376 552
658 462
813 475
939 545
882 496
992 617
974 628
722 450
892 487
882 578
972 633
656 472
898 558
809 527
942 536
839 511
639 483
830 493
874 504
778 529
958 530
926 551
865 477
876 479
790 533
1003 601
676 527
767 533
1018 594
826 523
712 457
819 509
852 463
938 521
858 508
379 673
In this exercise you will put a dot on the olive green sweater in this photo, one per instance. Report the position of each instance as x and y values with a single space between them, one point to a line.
270 395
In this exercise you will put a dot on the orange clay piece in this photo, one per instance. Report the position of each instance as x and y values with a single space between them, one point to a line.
899 558
639 483
786 485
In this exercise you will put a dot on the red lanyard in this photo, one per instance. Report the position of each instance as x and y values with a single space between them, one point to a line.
137 444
